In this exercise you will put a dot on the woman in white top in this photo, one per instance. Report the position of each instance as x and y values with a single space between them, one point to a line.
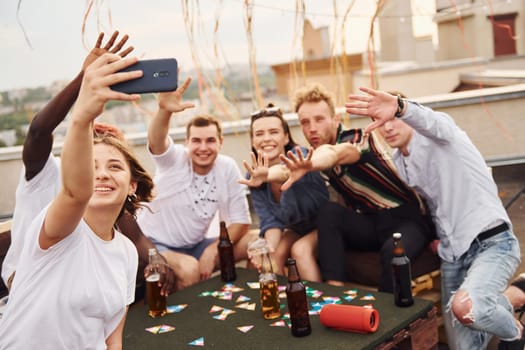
76 273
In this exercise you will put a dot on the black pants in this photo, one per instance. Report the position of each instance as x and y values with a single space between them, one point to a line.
342 229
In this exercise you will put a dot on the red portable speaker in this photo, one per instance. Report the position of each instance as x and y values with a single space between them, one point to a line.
350 318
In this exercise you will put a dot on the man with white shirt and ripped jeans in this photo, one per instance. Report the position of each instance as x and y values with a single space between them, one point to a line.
478 250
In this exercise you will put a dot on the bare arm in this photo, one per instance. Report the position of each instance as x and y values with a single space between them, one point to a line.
77 163
114 341
323 158
39 139
237 231
169 102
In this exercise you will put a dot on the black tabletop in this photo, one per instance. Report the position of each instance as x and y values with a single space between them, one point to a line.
195 324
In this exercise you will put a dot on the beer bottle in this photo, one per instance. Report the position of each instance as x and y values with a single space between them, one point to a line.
268 287
297 303
156 301
226 259
401 275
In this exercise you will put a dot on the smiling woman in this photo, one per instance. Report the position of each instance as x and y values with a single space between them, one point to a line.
76 273
287 219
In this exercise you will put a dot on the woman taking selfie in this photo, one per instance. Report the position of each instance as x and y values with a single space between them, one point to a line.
76 273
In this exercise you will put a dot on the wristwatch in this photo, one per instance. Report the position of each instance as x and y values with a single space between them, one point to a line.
400 107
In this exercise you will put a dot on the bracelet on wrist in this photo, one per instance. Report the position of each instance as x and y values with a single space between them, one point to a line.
400 107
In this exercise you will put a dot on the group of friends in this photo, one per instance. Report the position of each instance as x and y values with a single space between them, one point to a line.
83 223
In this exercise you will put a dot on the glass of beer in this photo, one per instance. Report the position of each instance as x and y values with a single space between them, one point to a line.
156 301
269 298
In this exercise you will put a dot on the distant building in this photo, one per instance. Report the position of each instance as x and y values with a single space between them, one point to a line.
485 31
477 48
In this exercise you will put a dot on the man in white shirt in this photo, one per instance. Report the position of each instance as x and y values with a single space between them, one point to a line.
192 182
478 250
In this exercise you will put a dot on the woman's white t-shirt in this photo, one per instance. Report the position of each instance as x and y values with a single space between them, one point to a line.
72 295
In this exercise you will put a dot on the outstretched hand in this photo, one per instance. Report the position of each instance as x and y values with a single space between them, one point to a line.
378 105
98 50
258 171
298 166
172 101
99 76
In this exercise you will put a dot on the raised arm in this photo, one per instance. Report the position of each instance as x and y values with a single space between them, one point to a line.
169 103
39 139
260 172
322 158
77 162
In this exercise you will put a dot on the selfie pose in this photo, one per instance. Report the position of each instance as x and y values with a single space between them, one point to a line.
76 273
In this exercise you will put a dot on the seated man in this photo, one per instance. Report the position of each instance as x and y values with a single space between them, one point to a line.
478 249
40 179
376 202
193 183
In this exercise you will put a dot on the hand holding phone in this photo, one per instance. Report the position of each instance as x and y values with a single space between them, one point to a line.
159 75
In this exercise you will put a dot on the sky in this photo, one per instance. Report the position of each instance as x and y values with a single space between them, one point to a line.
43 42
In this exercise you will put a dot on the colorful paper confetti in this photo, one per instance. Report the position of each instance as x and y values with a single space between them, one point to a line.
176 308
163 328
246 306
197 342
245 329
280 323
216 308
253 285
242 298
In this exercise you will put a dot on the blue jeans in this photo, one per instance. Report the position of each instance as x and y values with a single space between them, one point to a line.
195 250
483 272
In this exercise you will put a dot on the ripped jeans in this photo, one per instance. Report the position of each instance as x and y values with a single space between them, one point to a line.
483 272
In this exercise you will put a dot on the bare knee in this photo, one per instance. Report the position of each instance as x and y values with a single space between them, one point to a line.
185 267
461 307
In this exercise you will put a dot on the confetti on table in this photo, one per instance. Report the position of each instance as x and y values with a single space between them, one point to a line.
245 329
314 312
224 314
224 295
246 306
368 306
216 308
317 306
163 328
175 308
349 297
332 300
281 288
242 298
253 285
314 293
197 342
351 292
166 328
282 295
205 294
153 330
229 287
280 323
368 297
